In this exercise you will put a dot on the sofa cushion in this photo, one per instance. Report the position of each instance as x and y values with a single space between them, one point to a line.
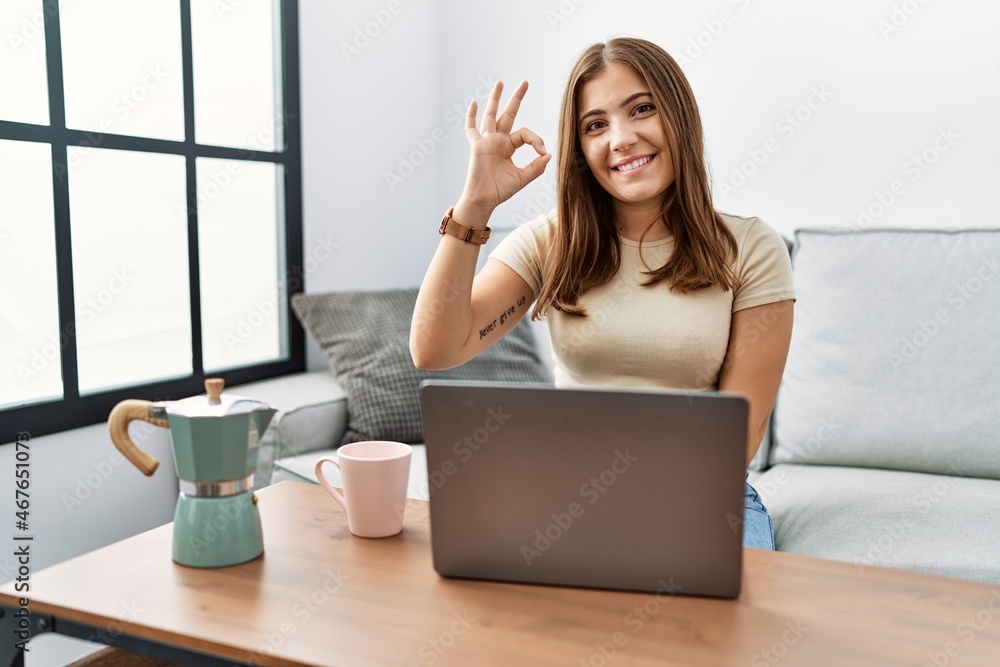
894 352
302 468
913 521
366 337
312 414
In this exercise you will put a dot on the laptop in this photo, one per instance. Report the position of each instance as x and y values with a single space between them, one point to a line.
637 490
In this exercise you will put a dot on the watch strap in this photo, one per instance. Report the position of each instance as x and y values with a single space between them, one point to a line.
468 234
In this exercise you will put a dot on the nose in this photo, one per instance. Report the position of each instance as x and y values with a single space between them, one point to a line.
622 136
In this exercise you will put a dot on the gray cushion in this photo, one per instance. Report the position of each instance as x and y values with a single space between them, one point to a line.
913 521
365 335
891 364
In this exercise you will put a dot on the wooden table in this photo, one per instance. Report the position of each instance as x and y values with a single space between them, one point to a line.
321 597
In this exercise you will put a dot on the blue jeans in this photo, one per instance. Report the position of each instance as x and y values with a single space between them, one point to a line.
757 529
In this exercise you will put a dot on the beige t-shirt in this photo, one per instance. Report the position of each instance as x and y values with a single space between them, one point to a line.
636 336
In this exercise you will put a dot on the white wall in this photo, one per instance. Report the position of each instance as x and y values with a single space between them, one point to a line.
369 85
361 112
889 97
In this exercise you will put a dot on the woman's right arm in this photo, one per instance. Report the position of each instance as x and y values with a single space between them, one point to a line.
459 314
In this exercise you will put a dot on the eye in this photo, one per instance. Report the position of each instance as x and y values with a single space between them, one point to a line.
593 126
644 108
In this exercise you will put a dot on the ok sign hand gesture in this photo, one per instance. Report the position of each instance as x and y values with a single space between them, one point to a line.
493 177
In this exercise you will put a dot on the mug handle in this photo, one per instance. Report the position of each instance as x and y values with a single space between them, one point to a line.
326 484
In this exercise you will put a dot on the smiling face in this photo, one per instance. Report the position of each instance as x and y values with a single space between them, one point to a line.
623 139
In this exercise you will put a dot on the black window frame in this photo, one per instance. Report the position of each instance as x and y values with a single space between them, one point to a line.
74 410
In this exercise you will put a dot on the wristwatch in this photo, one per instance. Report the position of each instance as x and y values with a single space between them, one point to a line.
451 226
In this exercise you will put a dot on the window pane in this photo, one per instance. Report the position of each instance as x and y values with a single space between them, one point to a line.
23 76
235 75
30 344
122 67
239 234
130 268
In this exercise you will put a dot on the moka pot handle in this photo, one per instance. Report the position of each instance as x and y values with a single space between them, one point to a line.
123 414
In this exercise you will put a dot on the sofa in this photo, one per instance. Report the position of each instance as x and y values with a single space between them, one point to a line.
884 444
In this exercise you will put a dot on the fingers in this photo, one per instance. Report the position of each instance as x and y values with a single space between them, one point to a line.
526 136
534 169
491 123
470 121
506 120
490 115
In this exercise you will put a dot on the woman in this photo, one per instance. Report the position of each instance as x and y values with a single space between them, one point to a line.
642 282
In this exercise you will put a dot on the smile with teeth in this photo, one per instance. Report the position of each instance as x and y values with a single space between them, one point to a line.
635 164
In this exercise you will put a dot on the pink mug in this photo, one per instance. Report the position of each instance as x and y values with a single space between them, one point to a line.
374 476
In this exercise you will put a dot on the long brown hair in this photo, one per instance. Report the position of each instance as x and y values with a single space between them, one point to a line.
587 247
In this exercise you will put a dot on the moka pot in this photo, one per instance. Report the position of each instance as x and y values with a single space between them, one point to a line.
214 442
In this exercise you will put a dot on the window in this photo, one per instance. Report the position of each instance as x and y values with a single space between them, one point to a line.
150 202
